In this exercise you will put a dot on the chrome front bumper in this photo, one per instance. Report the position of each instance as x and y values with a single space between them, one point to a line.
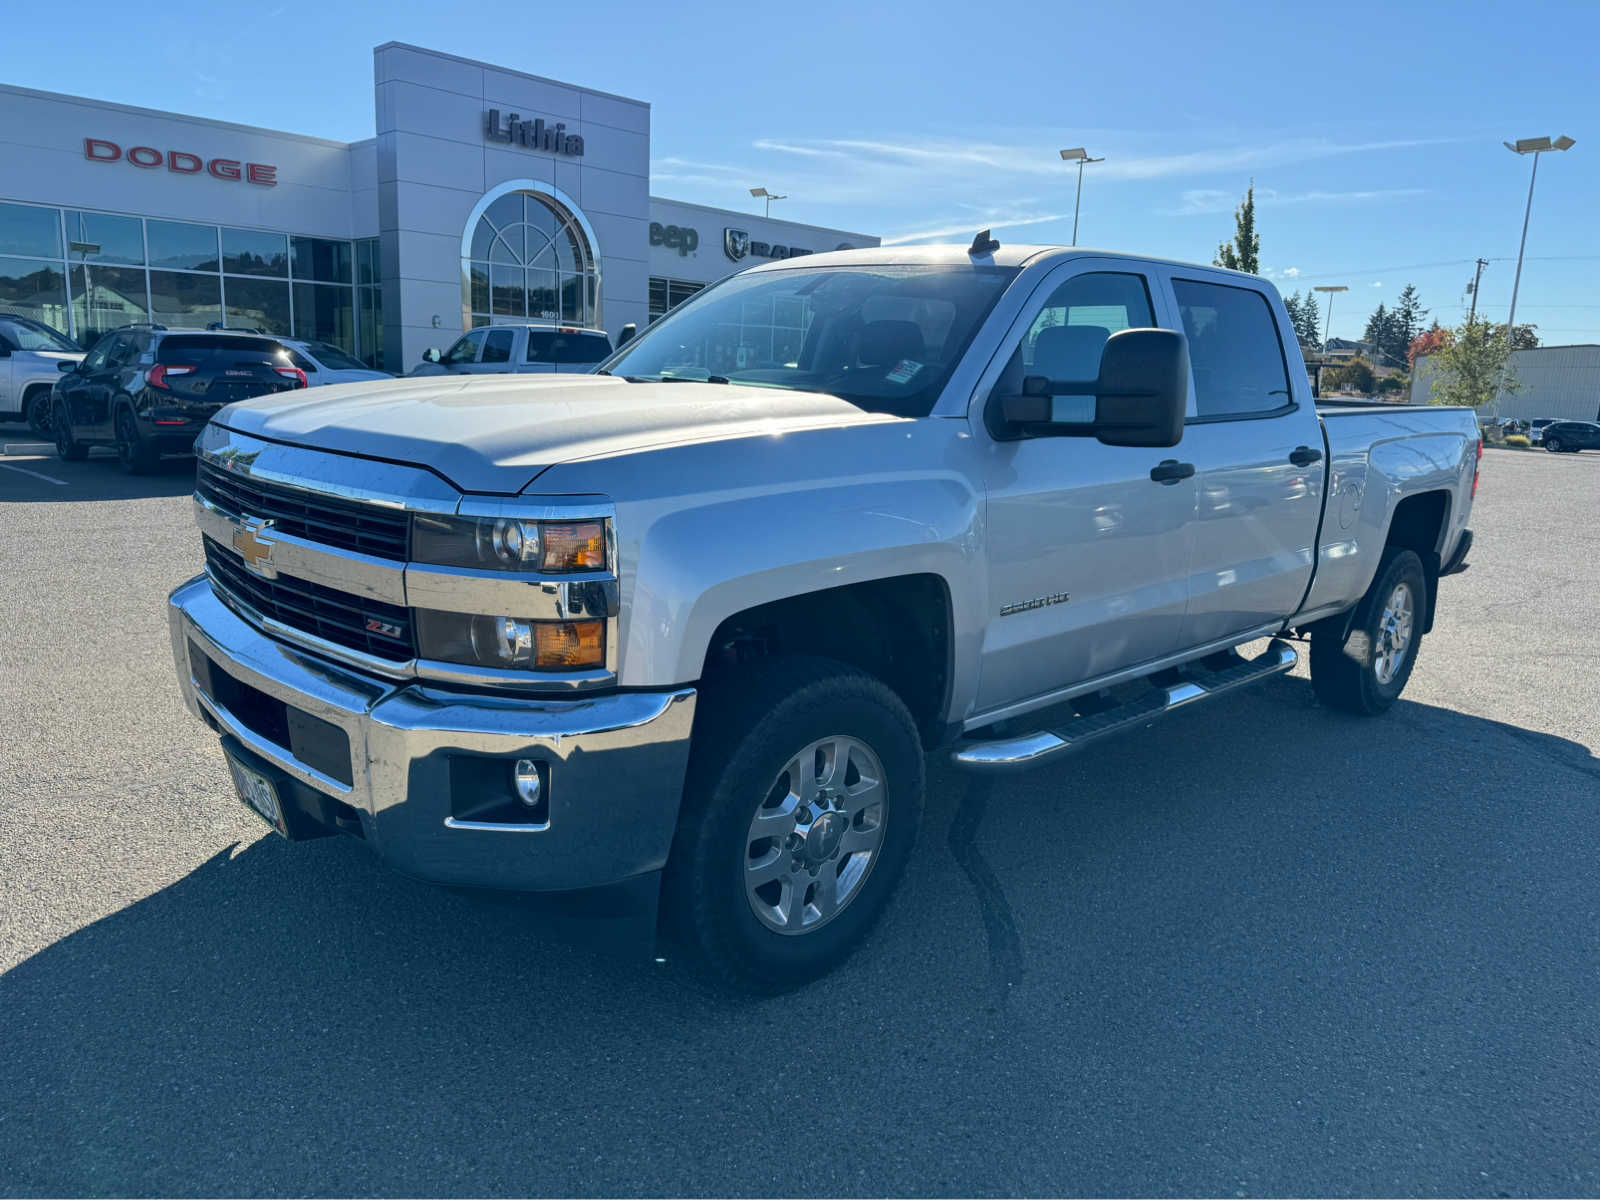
615 762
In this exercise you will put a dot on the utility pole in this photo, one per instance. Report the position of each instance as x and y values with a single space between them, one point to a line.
1477 279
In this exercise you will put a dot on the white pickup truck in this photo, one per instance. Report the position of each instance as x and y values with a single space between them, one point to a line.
689 626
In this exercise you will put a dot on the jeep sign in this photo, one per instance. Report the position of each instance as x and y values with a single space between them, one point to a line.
681 238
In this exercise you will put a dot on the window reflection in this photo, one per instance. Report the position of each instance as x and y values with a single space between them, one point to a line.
527 259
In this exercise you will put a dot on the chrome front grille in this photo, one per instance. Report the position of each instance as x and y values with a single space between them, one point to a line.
370 626
328 520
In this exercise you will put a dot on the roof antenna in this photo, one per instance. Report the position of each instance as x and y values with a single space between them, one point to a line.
983 244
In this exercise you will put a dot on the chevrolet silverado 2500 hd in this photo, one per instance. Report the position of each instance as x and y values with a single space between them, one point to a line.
695 620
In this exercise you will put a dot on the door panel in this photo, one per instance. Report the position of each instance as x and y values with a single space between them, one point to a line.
1254 538
1088 556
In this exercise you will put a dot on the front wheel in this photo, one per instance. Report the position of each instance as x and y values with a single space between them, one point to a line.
802 804
68 449
1366 671
1553 445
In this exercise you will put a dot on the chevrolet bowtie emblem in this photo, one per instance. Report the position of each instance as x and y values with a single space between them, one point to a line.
255 549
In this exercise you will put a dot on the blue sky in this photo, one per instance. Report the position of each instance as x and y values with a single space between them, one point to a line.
1372 130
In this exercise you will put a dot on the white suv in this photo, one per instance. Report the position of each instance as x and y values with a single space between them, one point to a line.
32 357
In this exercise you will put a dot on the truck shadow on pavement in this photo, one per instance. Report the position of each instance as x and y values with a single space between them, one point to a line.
31 479
297 1019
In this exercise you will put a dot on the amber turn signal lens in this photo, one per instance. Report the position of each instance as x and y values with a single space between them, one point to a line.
575 546
569 645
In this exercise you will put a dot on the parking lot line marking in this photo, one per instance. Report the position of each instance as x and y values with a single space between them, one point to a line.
28 448
36 474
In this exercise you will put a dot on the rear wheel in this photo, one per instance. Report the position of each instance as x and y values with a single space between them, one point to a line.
1366 671
1553 445
137 456
37 406
802 805
67 447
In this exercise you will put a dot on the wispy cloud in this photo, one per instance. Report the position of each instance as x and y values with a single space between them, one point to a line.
957 226
1197 201
1291 273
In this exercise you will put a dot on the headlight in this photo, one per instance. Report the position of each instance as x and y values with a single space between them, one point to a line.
511 642
509 543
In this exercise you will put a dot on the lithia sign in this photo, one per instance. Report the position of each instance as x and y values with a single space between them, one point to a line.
534 134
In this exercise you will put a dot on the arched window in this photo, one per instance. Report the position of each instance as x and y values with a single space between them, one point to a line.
529 257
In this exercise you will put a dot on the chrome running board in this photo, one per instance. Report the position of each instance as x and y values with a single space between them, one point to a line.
1027 750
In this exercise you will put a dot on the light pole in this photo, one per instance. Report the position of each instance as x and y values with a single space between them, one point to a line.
1535 147
1080 156
1327 321
761 193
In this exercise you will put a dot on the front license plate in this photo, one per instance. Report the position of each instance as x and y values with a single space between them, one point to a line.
256 790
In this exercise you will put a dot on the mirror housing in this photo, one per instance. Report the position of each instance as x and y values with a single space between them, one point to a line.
1139 398
431 354
66 365
626 334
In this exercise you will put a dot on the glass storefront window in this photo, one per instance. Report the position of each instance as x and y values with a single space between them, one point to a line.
182 245
322 259
367 268
261 304
325 313
530 232
250 252
370 300
31 287
104 298
184 300
103 238
28 230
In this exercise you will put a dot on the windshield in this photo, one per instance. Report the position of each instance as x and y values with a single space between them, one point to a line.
25 335
884 338
334 358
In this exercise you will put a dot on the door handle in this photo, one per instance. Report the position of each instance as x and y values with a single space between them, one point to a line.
1304 456
1170 470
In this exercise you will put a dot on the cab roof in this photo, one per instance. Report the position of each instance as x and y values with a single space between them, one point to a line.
1008 255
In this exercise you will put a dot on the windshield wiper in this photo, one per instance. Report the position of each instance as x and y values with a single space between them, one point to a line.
691 379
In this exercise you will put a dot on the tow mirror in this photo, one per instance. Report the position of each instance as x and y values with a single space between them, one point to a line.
431 354
1138 399
626 334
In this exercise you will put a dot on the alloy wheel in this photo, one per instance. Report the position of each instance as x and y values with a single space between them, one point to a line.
1394 633
816 836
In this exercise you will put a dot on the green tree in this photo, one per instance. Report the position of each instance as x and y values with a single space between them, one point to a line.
1408 317
1244 254
1472 368
1311 313
1355 376
1524 337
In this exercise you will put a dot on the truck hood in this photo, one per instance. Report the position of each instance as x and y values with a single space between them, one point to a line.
497 433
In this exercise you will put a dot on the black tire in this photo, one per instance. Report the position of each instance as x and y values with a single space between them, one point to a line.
68 449
38 407
137 456
1345 671
1553 445
747 731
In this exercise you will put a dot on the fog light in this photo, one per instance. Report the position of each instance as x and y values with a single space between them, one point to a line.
526 777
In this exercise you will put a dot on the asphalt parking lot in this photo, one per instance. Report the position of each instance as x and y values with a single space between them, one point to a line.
1259 948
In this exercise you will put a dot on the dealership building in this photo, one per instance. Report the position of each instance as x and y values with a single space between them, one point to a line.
486 196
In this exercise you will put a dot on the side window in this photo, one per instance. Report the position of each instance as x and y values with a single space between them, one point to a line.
1065 340
121 352
96 358
497 346
465 350
1234 350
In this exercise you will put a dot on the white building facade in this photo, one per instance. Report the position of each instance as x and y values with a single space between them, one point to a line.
1562 382
486 196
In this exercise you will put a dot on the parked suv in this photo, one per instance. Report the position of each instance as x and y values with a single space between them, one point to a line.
31 359
147 390
1569 437
519 349
325 364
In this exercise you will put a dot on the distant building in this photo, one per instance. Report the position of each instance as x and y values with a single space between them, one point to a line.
1342 350
1556 381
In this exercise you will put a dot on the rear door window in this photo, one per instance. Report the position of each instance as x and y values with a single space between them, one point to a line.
552 346
497 346
1235 351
